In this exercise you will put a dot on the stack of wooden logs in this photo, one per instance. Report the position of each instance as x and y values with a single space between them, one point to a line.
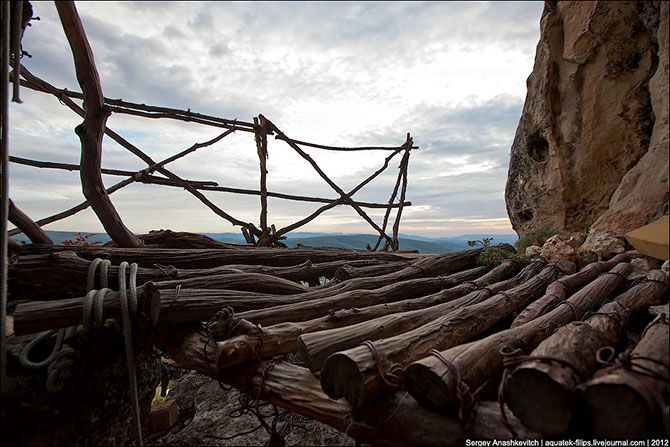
392 348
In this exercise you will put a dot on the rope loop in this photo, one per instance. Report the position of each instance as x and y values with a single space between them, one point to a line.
467 402
571 306
394 377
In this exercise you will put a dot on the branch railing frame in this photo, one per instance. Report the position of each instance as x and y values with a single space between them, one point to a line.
95 111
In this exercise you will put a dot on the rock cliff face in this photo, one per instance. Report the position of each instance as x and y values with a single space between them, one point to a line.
591 149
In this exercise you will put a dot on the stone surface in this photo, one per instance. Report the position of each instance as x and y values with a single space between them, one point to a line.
533 251
206 413
604 243
592 142
558 248
641 266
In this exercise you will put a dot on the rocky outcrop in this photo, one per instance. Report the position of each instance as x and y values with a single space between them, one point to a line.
592 142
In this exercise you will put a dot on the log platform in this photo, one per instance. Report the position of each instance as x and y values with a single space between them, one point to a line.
393 349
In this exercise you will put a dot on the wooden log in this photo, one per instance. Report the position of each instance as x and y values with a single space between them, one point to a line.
37 316
354 373
557 292
27 225
64 274
91 131
282 338
248 282
574 349
397 421
627 399
436 384
349 272
357 292
316 347
207 258
176 306
180 239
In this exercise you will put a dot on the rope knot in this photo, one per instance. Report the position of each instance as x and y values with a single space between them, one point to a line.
394 375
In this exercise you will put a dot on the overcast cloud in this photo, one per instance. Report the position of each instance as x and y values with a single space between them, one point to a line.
453 74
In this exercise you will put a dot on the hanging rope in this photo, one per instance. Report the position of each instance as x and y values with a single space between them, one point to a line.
128 311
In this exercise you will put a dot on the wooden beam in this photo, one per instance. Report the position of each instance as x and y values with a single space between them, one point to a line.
91 131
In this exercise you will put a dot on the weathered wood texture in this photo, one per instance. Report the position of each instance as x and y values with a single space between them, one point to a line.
628 399
207 258
557 292
349 272
552 383
36 316
399 420
316 347
63 274
282 338
354 373
435 384
91 131
180 239
27 226
357 292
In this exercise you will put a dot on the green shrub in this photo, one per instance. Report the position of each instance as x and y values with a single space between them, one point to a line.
535 237
492 256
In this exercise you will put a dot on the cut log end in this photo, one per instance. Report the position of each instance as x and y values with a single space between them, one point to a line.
427 387
342 378
548 410
615 411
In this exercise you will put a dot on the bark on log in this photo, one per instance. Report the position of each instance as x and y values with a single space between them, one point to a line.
27 226
177 306
316 347
37 316
349 272
64 274
282 338
180 239
434 384
397 421
557 292
553 384
207 258
356 292
91 131
627 400
354 373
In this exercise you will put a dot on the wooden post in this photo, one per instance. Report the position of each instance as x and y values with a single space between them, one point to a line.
403 167
4 181
260 131
91 131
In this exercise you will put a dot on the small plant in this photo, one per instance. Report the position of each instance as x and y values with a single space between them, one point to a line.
81 240
484 242
535 237
492 256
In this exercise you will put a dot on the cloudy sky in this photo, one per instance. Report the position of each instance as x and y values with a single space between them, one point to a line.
342 73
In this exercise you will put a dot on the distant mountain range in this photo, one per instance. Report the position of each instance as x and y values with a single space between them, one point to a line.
342 240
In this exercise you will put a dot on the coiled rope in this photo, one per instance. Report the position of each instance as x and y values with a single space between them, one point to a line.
60 360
